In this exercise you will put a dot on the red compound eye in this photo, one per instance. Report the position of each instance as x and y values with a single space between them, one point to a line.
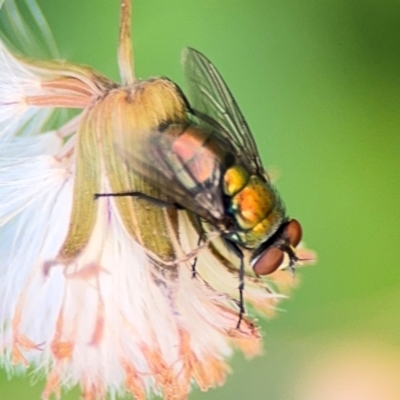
269 261
294 232
272 258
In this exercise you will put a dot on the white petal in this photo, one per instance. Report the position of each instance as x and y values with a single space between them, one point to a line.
34 212
17 82
110 311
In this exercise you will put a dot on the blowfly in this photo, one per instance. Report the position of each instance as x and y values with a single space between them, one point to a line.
200 154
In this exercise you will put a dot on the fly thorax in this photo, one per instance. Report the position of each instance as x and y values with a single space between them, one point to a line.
257 211
235 179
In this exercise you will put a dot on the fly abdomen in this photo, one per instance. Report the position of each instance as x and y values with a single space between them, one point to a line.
197 162
196 157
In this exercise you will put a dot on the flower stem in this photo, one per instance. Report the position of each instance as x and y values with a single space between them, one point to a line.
125 52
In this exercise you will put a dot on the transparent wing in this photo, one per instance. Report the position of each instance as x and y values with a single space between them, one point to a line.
178 162
211 98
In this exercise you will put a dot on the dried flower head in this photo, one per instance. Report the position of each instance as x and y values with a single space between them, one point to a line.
102 293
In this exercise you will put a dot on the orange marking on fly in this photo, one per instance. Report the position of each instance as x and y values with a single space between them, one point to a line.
197 159
194 154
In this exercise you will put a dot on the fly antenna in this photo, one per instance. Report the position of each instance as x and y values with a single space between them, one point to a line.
125 51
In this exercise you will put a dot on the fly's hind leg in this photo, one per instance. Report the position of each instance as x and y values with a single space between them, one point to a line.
236 250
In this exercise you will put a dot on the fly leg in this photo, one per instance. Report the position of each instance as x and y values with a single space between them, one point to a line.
160 203
236 250
200 230
143 196
232 247
194 272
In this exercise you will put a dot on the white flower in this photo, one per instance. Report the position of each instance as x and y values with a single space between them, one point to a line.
100 293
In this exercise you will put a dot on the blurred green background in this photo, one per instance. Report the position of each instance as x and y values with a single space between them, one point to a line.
319 83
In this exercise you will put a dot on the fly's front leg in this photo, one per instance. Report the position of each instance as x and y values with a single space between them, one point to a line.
200 231
143 196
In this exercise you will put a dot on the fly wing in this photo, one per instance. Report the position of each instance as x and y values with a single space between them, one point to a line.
211 98
177 161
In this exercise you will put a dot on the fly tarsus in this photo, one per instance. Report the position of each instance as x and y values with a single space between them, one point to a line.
242 310
194 272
